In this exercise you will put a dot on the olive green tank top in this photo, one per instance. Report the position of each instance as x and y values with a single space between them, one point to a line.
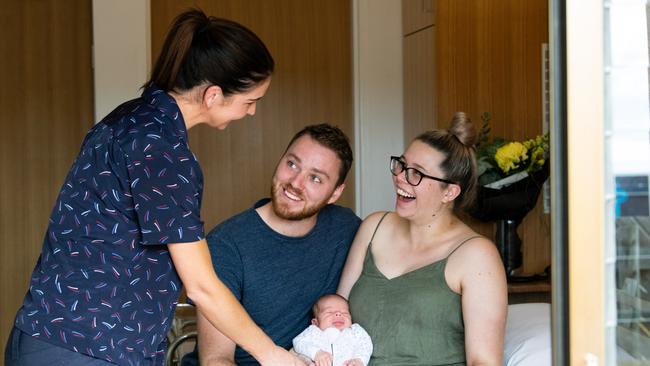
413 319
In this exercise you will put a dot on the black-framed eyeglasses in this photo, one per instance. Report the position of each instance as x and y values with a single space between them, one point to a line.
413 176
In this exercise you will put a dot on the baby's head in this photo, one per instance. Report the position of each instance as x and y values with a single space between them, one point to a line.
332 311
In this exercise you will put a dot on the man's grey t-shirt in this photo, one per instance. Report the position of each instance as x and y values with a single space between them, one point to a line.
278 278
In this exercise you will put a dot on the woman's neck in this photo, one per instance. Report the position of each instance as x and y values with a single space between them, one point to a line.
192 112
433 229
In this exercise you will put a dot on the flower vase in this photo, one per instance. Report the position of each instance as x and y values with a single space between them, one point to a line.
507 206
509 245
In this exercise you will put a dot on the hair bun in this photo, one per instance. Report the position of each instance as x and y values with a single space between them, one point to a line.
463 128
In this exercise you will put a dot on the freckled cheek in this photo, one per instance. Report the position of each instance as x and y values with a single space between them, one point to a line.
425 188
426 183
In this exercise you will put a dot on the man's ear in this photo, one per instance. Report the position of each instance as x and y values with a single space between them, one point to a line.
213 95
337 193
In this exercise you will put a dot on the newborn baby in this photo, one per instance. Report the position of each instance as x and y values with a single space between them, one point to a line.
332 339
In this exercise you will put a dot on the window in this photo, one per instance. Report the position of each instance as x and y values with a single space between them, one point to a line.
627 172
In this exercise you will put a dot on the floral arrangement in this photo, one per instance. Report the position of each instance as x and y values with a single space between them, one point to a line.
502 162
511 175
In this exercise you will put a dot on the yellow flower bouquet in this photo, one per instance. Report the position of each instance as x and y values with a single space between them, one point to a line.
502 162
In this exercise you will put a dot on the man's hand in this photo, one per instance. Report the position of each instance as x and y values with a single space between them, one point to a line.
353 362
323 358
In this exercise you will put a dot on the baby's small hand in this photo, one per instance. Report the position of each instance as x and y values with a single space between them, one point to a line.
323 358
353 362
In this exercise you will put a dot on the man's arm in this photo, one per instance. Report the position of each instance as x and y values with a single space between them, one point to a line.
215 349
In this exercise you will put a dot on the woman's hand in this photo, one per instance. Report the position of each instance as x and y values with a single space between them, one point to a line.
323 358
353 362
280 357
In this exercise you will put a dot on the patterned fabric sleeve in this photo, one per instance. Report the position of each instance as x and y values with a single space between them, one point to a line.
166 187
310 341
363 349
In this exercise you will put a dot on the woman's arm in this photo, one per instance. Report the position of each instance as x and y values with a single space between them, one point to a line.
218 305
484 300
215 349
354 262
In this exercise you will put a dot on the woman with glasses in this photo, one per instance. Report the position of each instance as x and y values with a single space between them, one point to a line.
427 288
125 234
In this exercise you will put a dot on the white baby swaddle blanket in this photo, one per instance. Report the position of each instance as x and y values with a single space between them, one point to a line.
344 345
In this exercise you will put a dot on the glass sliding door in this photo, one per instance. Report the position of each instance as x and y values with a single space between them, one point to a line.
607 134
627 157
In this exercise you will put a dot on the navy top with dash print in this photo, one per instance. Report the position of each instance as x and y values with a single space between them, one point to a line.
104 284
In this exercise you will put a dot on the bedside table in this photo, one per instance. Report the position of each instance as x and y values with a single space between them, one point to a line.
525 292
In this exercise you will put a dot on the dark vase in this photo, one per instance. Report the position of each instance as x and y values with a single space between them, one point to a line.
507 207
509 245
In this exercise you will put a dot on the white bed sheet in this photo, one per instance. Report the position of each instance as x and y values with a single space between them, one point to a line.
528 335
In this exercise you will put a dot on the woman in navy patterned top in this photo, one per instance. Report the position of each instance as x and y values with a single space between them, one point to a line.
125 233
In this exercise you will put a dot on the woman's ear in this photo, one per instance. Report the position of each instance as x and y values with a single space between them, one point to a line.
451 192
212 95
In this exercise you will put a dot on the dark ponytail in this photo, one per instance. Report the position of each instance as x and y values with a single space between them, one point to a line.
206 50
457 143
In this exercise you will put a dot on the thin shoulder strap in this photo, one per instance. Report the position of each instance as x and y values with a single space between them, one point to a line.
461 244
379 223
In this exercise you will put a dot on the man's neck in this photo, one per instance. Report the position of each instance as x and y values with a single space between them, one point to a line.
293 228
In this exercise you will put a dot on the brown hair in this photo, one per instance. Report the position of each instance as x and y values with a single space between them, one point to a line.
200 49
459 165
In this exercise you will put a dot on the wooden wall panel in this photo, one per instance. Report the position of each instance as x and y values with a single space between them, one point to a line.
311 42
488 59
46 107
417 15
419 81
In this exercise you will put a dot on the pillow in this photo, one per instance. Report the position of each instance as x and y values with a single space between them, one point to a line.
528 335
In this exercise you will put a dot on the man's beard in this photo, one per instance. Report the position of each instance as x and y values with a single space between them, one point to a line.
283 212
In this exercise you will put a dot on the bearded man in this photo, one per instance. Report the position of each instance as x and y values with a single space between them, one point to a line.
284 253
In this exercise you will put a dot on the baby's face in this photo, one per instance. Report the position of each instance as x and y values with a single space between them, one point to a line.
333 312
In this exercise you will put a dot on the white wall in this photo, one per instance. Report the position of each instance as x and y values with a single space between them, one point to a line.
378 103
122 53
121 46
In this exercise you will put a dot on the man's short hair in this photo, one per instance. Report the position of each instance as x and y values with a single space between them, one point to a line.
332 138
